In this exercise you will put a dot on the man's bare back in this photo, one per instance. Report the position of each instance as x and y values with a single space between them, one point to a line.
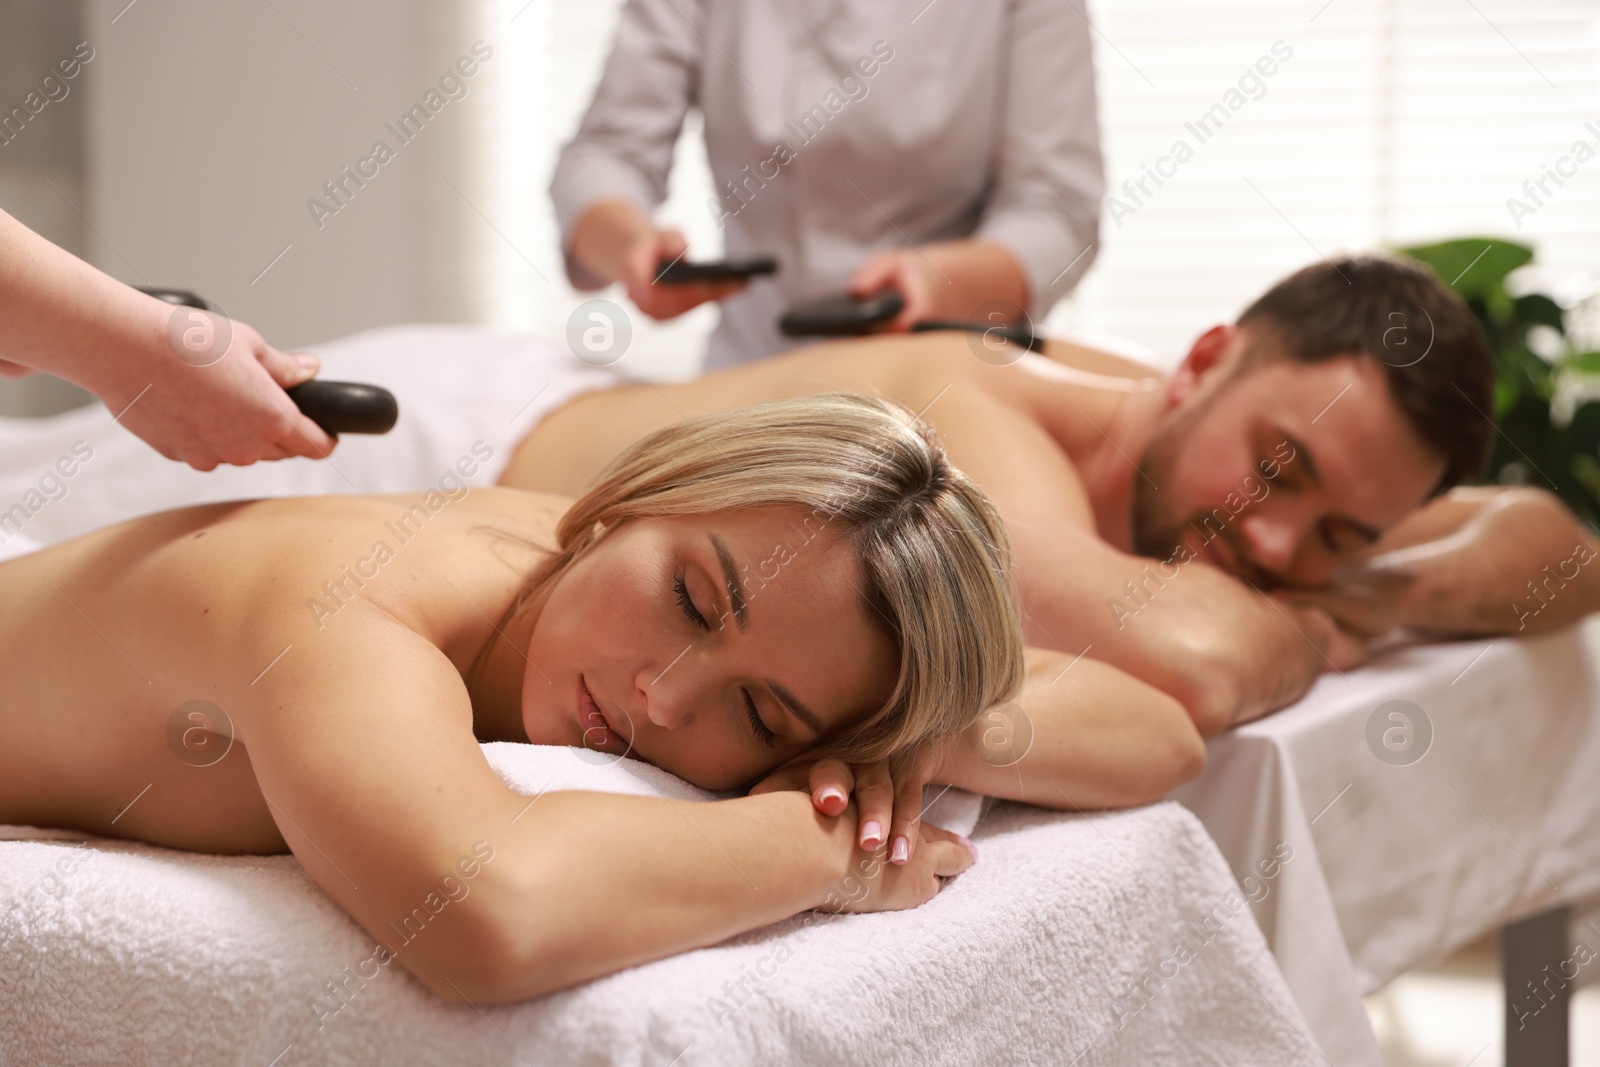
937 372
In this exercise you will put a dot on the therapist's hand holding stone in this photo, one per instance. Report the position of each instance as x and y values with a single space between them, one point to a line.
949 280
616 242
196 386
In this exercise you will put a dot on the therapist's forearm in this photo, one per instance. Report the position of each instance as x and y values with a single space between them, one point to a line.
972 272
604 235
63 316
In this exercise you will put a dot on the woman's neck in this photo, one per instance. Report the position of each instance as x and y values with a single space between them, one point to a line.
496 675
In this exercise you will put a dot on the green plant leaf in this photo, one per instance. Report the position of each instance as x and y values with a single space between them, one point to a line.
1536 309
1582 362
1472 266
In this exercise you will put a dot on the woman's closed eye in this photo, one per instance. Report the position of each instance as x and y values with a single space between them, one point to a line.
763 733
680 587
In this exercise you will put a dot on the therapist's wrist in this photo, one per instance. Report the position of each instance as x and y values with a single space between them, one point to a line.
122 349
972 273
607 234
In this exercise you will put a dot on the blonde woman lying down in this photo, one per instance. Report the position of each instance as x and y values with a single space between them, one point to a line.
798 577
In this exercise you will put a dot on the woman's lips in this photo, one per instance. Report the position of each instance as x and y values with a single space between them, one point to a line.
598 728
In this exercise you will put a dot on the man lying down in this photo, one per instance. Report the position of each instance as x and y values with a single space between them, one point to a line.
1224 533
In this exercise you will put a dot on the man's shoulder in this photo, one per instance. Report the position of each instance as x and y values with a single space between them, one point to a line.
1110 356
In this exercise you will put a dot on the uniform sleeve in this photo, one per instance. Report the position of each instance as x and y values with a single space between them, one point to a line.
1049 181
623 148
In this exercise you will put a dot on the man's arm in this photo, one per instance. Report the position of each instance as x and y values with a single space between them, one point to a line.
1228 653
1478 560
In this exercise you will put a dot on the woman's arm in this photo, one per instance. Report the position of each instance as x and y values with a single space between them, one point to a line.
361 742
1082 734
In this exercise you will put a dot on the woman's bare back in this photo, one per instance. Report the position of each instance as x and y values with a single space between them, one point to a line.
131 653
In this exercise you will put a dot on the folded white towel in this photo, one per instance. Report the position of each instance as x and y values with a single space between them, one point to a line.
1111 933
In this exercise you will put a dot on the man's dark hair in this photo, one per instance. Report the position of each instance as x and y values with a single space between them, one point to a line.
1393 311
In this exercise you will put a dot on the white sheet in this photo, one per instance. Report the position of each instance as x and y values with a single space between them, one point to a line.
1498 820
457 386
1062 945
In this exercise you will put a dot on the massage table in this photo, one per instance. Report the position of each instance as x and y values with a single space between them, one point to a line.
1476 808
1076 939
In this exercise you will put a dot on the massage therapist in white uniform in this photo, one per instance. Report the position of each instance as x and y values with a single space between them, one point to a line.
949 150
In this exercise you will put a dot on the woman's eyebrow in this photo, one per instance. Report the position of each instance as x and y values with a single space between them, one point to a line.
730 574
800 711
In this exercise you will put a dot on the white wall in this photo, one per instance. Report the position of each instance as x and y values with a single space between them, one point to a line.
212 124
41 158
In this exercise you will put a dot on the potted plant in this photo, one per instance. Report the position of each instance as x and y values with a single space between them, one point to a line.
1547 388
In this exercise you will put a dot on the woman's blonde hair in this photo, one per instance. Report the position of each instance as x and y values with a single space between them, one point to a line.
934 554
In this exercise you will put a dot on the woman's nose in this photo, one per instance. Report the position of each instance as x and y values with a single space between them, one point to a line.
667 692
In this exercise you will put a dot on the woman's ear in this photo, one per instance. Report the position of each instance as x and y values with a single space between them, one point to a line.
1206 356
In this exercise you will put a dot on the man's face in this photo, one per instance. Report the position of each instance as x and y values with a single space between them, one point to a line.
1281 473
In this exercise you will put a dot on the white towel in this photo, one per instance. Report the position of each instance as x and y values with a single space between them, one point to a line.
1063 941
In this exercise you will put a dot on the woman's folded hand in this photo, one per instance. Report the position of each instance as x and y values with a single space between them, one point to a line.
874 885
888 795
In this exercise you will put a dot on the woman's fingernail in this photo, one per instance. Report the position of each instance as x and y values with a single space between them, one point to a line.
901 851
970 847
831 793
307 360
871 836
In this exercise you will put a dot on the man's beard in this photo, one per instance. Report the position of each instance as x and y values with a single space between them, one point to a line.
1157 532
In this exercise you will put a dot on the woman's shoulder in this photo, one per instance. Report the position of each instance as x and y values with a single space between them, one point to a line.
285 556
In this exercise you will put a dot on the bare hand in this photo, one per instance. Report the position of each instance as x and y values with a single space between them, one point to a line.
908 273
233 410
873 885
888 794
1362 598
643 263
